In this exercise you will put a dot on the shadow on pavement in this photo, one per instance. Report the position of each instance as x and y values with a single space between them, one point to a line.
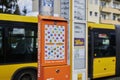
109 78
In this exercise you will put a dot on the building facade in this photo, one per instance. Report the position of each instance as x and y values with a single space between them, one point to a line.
104 11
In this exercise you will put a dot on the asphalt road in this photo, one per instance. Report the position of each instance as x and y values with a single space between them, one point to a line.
109 78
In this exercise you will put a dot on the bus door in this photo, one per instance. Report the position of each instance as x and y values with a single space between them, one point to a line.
117 28
102 60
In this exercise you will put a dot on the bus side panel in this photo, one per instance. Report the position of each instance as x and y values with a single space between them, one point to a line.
7 71
103 67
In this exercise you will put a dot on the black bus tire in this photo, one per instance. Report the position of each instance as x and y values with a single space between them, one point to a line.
26 75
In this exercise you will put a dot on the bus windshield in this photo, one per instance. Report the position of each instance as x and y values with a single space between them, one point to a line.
104 44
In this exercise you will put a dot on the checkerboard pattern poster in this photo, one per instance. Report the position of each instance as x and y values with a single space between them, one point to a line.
54 42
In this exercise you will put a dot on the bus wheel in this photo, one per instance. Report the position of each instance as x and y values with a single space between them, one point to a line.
26 75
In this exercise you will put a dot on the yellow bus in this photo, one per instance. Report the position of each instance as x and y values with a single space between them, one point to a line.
18 47
101 50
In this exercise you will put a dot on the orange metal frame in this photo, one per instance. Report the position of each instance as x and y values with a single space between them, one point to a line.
52 68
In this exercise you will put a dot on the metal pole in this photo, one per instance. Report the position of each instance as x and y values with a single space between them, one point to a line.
46 7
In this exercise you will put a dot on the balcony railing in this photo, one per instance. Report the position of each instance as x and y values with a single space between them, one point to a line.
110 10
116 1
110 21
106 0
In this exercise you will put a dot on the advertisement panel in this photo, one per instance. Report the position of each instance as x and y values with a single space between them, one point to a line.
80 9
64 9
46 7
19 7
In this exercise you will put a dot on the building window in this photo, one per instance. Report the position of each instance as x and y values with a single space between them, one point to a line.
114 17
91 1
96 14
96 2
103 3
103 16
116 5
90 13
